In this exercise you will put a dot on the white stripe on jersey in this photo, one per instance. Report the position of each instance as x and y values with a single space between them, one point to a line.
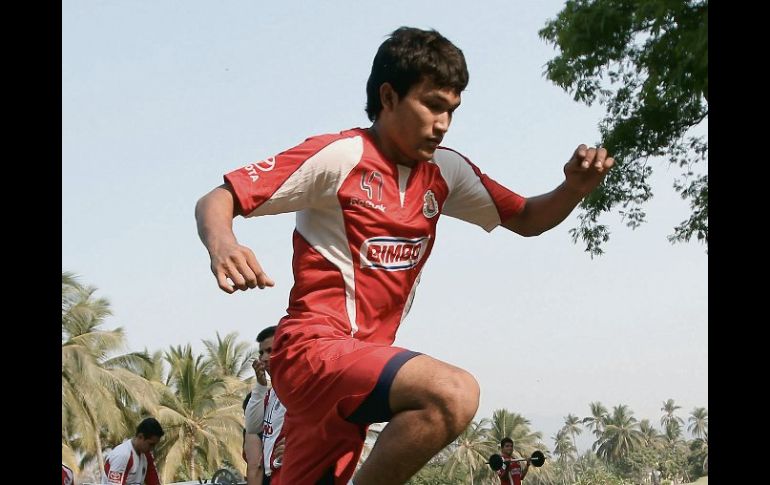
312 191
403 178
324 228
468 199
410 298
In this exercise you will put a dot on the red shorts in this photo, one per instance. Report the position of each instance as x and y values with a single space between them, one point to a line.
323 380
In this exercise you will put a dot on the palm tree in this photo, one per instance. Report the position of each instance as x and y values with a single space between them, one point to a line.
699 423
98 386
587 462
505 423
672 435
153 370
203 422
621 435
572 426
548 474
563 447
566 451
231 359
676 451
596 421
650 435
669 408
699 427
470 451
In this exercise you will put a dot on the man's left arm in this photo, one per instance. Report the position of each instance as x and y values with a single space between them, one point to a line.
583 173
525 469
152 472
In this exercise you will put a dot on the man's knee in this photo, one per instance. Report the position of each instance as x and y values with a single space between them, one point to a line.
448 394
459 399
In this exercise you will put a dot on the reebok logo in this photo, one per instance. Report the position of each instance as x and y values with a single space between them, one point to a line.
367 203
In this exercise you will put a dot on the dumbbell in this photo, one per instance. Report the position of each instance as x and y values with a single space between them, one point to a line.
496 461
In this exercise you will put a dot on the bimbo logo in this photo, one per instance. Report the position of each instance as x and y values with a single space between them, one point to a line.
393 253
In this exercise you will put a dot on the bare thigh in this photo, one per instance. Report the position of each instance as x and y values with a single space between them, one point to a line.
424 382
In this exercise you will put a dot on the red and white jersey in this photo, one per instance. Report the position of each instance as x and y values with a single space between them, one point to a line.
67 477
124 466
365 225
255 409
511 475
272 428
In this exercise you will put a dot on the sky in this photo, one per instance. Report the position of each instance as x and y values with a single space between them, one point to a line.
160 99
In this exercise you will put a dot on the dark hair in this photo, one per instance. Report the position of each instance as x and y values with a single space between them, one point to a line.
149 427
504 441
246 401
409 55
266 333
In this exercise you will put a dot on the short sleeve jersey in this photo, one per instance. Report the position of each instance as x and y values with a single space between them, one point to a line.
124 466
272 430
67 477
255 408
511 475
365 226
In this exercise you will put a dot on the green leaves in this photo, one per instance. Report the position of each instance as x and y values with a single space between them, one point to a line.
646 61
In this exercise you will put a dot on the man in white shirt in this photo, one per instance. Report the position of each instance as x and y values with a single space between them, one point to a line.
265 412
131 462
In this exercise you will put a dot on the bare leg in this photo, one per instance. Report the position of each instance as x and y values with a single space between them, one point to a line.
432 403
253 448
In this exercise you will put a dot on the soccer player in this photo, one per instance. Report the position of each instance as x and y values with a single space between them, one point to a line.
367 201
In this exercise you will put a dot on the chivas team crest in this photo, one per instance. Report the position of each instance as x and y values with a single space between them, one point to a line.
429 205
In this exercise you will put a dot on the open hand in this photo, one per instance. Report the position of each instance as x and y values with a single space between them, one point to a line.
236 268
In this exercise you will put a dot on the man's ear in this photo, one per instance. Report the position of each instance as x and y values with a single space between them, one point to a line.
388 96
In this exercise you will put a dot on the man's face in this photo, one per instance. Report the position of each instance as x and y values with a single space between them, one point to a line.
265 349
420 119
507 449
144 445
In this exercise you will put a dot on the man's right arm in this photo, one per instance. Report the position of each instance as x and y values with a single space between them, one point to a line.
214 214
583 173
255 409
116 468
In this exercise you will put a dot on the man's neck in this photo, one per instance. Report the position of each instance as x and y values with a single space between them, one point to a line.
133 445
387 148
